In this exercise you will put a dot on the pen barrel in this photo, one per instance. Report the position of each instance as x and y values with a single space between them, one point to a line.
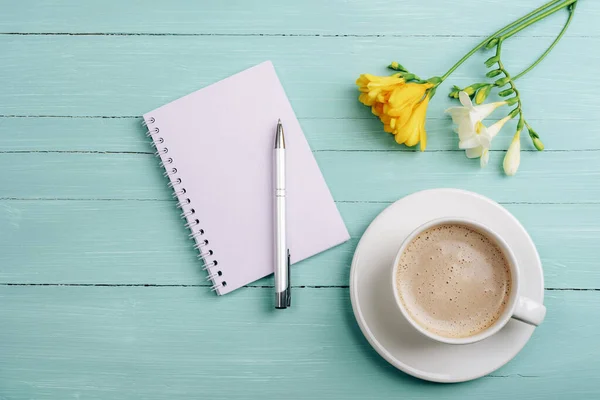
281 260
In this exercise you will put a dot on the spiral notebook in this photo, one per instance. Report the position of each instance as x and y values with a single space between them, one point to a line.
216 146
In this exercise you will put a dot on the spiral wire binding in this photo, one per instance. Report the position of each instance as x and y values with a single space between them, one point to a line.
185 204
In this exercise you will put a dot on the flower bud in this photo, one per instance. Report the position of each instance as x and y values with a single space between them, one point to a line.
506 92
514 113
491 61
470 90
482 94
436 80
535 138
513 156
492 43
512 101
502 81
493 73
396 66
454 92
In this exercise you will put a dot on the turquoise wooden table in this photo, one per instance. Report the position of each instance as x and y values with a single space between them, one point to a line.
101 296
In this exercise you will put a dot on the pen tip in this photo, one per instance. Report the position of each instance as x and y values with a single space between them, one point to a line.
279 138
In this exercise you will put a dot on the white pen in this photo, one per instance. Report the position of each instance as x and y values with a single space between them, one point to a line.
282 254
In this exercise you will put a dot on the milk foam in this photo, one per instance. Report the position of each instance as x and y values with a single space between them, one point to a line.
453 281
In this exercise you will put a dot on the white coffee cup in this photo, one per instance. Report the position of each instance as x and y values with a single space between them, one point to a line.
518 307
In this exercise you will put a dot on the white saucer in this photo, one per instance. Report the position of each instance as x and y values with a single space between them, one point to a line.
380 319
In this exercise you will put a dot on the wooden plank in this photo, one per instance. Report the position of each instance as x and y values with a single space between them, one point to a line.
311 17
130 75
555 177
152 343
551 177
144 242
126 135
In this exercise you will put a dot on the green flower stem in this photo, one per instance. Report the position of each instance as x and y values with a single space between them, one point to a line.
549 49
521 123
535 19
510 81
518 110
533 134
523 20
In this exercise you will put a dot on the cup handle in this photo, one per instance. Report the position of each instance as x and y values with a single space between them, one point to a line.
529 311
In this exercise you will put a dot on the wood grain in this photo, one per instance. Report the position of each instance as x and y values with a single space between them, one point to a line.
152 343
272 17
144 242
131 75
66 134
351 176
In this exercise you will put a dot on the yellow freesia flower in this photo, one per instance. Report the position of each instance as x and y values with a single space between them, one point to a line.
377 88
413 131
400 106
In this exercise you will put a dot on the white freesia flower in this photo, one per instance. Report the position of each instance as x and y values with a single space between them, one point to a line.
473 136
478 142
467 116
513 156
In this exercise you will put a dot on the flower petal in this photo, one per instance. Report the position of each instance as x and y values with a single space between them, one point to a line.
377 109
465 130
483 111
399 138
365 99
458 114
494 129
413 139
465 100
474 152
407 95
485 157
423 139
410 132
469 143
485 141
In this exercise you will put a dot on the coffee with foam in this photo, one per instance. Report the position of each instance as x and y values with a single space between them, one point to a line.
453 281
